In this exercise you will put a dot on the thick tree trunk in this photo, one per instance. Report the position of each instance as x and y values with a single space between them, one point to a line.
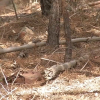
45 6
54 24
67 29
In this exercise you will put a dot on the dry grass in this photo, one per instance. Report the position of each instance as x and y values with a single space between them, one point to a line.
83 18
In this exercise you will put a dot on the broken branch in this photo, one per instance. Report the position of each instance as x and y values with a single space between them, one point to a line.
53 71
28 46
94 3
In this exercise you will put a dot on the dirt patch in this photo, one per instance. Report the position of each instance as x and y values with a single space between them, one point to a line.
82 22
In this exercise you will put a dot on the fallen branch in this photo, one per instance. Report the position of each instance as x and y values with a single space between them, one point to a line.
88 39
53 71
94 3
59 86
28 46
14 9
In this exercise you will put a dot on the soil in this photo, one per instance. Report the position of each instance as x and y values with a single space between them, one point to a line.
29 60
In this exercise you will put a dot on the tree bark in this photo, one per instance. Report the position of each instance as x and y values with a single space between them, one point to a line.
54 24
67 30
45 6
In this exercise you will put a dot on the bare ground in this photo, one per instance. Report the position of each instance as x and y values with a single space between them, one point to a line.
84 24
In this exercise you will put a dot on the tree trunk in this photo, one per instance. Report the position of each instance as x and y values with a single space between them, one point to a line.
67 29
45 6
54 24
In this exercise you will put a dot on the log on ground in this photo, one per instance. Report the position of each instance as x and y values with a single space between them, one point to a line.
42 43
53 71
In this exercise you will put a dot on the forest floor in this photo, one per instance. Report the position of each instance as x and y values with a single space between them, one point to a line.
83 24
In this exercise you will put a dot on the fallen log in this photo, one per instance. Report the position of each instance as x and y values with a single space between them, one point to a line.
28 46
53 71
